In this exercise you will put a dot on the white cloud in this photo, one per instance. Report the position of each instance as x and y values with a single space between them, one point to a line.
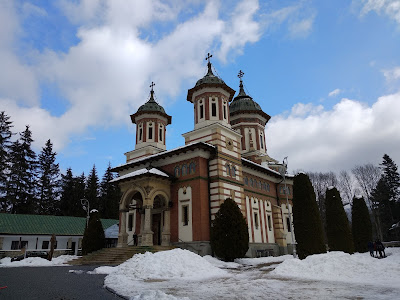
334 93
351 133
392 74
301 28
391 8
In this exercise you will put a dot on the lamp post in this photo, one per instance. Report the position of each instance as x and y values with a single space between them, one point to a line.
86 207
282 171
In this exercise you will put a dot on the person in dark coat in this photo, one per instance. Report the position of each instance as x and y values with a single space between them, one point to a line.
380 248
371 248
135 239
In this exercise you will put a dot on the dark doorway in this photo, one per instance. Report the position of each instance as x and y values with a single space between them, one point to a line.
156 228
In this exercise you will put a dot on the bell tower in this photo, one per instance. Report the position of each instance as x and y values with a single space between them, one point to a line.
151 122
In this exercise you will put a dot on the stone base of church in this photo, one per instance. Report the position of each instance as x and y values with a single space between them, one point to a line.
165 239
146 239
201 248
122 240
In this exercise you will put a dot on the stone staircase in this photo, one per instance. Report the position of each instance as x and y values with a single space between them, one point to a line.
115 256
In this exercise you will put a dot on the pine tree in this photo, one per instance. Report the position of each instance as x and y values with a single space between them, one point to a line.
110 196
229 234
48 181
361 225
337 224
392 177
306 218
67 194
79 193
92 189
5 144
93 238
21 185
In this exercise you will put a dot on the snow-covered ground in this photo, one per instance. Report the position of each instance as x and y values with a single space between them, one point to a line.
36 262
180 274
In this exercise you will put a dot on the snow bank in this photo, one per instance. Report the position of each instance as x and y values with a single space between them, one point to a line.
339 266
263 260
36 261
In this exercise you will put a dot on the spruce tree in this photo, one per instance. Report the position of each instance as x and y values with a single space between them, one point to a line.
392 177
361 225
79 193
67 204
93 238
5 144
22 178
92 189
229 234
337 224
110 196
306 218
48 181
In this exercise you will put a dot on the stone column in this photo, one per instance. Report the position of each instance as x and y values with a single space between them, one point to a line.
147 234
166 233
123 235
279 231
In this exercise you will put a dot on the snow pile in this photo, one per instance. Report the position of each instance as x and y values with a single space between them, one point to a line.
263 260
36 261
339 266
221 264
164 265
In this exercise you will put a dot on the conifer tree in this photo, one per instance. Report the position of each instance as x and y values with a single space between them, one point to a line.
48 181
361 225
392 177
337 224
93 238
67 205
79 193
5 144
92 189
21 184
306 218
110 195
229 234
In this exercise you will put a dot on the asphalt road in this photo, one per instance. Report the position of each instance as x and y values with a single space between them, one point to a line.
52 283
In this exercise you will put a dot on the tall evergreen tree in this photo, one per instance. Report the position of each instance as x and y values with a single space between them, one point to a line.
67 194
229 234
361 225
79 193
93 238
110 195
92 189
48 181
392 177
5 144
306 218
21 185
337 224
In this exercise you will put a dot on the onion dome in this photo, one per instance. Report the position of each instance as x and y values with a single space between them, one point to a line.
151 107
243 103
210 80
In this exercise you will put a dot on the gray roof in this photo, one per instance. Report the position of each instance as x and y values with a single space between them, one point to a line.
209 78
243 102
151 105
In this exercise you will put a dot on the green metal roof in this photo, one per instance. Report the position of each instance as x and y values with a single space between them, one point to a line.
41 224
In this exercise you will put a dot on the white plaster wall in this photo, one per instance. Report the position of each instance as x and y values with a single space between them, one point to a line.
249 219
257 231
35 241
268 212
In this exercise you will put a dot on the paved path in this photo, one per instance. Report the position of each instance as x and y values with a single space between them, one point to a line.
55 283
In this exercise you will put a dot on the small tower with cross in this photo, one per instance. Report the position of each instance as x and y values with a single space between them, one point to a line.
151 121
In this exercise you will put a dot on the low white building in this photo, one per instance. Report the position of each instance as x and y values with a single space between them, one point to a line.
34 233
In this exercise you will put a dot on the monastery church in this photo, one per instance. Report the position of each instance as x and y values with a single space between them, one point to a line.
169 197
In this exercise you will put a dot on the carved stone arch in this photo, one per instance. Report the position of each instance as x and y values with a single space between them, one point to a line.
161 192
127 196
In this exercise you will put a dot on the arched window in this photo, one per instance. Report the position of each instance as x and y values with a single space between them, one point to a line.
177 171
192 168
160 134
201 109
246 181
228 170
251 182
140 132
234 171
268 187
150 131
184 170
213 108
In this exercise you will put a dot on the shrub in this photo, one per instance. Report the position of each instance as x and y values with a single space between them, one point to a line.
93 238
361 225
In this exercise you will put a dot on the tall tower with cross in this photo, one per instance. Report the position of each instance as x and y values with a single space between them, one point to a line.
151 121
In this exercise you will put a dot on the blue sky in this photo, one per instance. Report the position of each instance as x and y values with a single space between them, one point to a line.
328 72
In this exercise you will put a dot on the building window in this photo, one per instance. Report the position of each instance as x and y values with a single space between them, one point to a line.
251 182
268 188
192 168
160 134
184 170
228 170
140 132
176 171
246 181
288 224
256 220
150 132
261 141
201 107
16 245
234 171
130 222
224 110
185 215
269 223
214 109
45 245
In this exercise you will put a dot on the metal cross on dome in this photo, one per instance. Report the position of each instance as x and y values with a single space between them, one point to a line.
208 57
152 85
240 75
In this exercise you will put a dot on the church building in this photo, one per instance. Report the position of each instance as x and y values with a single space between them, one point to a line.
170 197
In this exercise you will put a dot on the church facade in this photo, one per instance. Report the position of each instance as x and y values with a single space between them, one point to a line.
170 197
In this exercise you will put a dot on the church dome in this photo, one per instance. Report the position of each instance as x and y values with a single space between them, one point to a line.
151 106
243 102
209 78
